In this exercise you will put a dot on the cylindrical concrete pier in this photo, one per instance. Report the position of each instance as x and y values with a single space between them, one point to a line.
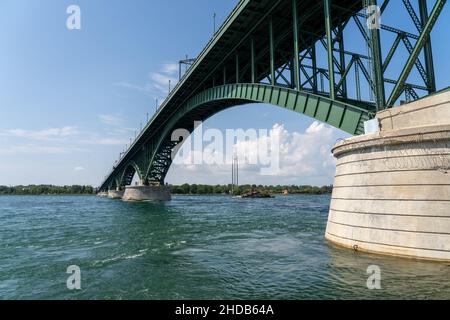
392 189
146 193
102 194
115 194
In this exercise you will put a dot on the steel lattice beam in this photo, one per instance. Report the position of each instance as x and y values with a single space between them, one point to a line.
295 48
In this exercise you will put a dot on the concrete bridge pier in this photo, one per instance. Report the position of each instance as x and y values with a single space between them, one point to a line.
115 194
392 188
146 193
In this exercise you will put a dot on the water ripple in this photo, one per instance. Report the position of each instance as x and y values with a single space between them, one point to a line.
192 248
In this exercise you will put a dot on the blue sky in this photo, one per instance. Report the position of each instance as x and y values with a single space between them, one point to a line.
70 100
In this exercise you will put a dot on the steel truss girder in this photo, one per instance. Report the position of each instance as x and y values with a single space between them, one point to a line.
423 39
336 113
298 69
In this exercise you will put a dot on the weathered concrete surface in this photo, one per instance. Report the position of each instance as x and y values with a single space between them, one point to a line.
115 194
146 193
102 194
392 189
430 111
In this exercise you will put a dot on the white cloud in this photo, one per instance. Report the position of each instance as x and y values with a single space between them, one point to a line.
45 134
316 127
107 141
110 119
161 81
128 85
304 158
170 68
157 85
79 169
39 150
308 153
61 140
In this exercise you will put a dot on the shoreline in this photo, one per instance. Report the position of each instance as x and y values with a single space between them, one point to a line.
47 195
176 194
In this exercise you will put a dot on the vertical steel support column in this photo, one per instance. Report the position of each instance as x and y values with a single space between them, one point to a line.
380 95
253 62
237 67
224 75
357 81
314 67
327 9
291 71
342 60
296 80
272 53
429 64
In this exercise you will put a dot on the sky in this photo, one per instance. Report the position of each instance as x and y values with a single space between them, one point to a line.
70 100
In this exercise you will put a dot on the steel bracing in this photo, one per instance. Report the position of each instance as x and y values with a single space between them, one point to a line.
293 54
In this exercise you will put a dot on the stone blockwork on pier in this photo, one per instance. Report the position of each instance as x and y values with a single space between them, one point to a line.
115 194
147 193
392 188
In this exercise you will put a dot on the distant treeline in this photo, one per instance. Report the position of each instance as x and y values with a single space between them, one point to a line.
46 189
226 189
187 189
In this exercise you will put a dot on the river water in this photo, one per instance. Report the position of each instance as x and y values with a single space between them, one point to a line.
193 247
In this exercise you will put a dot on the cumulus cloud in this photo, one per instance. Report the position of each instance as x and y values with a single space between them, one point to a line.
306 153
302 155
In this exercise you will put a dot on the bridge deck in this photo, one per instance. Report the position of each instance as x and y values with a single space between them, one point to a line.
247 21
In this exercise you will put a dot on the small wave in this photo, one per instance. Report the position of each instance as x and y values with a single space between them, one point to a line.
134 256
110 259
120 257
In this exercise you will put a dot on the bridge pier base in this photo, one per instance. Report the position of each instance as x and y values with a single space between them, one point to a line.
392 188
102 194
146 193
115 194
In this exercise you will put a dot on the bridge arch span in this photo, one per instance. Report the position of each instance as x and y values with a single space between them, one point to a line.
204 105
114 184
128 173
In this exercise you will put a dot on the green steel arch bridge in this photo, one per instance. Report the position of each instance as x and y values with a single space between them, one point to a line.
292 54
